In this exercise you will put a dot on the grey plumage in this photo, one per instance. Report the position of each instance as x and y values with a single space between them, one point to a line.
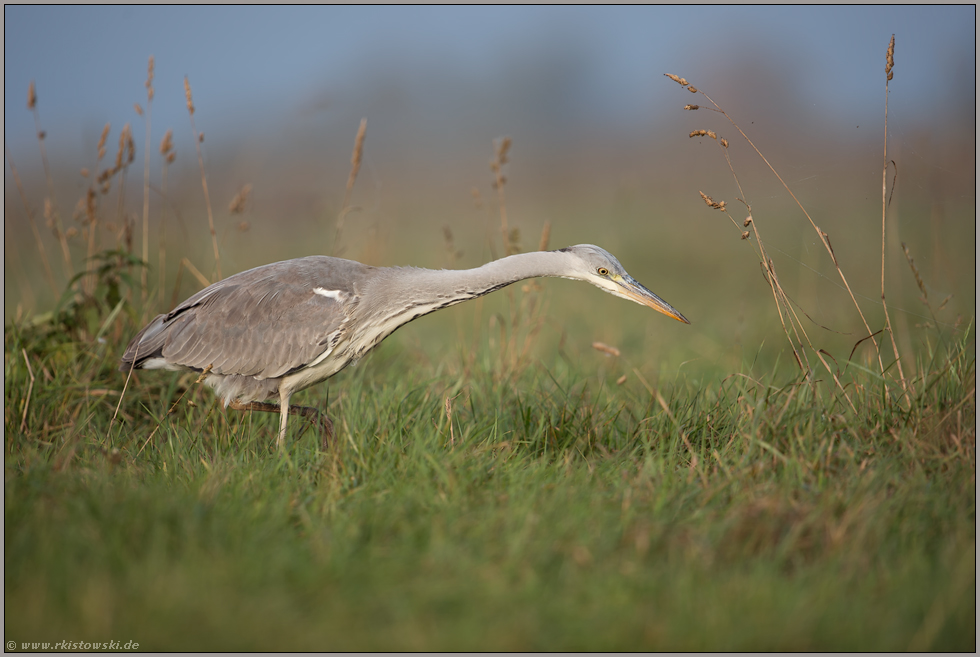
280 328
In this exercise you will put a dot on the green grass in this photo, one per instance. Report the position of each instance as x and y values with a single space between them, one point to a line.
563 512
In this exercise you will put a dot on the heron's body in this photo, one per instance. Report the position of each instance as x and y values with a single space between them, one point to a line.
274 330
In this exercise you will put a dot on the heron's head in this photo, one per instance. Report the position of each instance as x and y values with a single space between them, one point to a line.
599 267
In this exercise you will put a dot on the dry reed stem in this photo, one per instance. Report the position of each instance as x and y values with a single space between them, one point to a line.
889 63
48 273
824 237
146 183
355 166
198 138
55 215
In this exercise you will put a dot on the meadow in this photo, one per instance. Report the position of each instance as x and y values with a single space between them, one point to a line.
542 469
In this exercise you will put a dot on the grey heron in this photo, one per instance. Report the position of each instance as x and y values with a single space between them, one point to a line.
274 330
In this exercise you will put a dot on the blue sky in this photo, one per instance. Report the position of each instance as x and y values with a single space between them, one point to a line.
255 64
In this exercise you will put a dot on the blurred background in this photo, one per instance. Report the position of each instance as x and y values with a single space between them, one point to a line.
600 151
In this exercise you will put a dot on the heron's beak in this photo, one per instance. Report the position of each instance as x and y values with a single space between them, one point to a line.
633 290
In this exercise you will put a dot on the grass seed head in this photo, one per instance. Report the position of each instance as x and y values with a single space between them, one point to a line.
187 93
724 142
102 140
237 205
890 58
915 272
167 143
676 78
122 147
358 152
692 107
605 348
139 110
692 89
32 96
149 79
717 205
503 146
745 235
130 146
748 220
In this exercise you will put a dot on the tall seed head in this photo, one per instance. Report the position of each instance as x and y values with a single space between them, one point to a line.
187 93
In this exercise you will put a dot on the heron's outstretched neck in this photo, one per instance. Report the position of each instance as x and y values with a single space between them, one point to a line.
398 295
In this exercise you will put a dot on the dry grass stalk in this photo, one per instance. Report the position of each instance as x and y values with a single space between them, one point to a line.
452 253
480 204
30 389
169 155
198 138
124 157
355 166
173 407
449 418
30 217
545 236
792 326
889 63
501 147
102 181
56 225
922 286
195 272
146 181
915 272
824 237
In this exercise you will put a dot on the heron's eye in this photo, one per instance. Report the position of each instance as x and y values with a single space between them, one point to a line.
602 271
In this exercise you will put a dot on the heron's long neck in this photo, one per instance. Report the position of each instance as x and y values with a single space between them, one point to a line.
397 295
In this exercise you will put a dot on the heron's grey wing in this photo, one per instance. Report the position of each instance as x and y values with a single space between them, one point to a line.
264 322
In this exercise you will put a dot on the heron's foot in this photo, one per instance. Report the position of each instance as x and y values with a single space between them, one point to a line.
326 426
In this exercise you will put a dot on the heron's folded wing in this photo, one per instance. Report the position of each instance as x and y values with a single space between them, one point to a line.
263 324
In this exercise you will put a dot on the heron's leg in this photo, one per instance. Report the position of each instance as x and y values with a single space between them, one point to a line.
283 415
